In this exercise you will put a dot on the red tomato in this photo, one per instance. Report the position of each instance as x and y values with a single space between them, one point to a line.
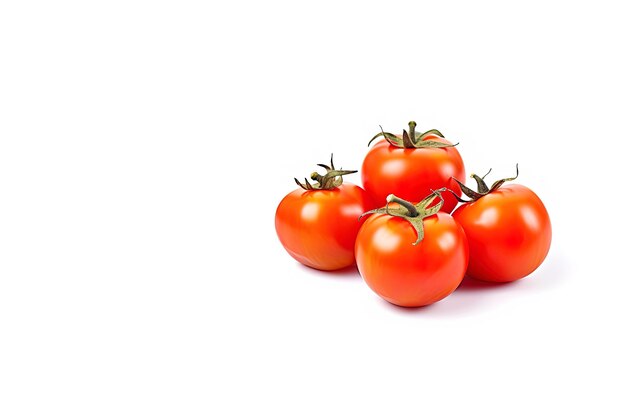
412 172
318 227
508 231
407 274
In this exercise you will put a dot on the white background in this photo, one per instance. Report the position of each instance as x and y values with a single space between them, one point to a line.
144 147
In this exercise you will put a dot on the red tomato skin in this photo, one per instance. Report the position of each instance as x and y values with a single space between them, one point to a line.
410 275
508 231
318 228
412 173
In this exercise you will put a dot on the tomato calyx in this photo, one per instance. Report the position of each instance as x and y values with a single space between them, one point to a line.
412 139
332 179
481 186
413 213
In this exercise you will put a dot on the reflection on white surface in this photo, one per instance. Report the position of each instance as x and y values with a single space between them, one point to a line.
310 211
386 241
488 217
530 217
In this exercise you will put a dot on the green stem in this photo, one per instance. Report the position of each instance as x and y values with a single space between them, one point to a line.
332 179
412 125
412 213
480 183
482 190
412 139
411 210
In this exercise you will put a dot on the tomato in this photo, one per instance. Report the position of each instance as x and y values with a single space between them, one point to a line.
508 230
318 224
412 274
410 169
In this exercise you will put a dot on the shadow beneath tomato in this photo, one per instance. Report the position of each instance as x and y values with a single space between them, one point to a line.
479 297
406 310
471 284
453 301
347 272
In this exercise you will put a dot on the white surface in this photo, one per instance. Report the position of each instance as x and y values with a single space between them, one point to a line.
144 147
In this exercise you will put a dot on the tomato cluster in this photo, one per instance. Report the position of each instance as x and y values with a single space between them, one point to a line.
411 251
